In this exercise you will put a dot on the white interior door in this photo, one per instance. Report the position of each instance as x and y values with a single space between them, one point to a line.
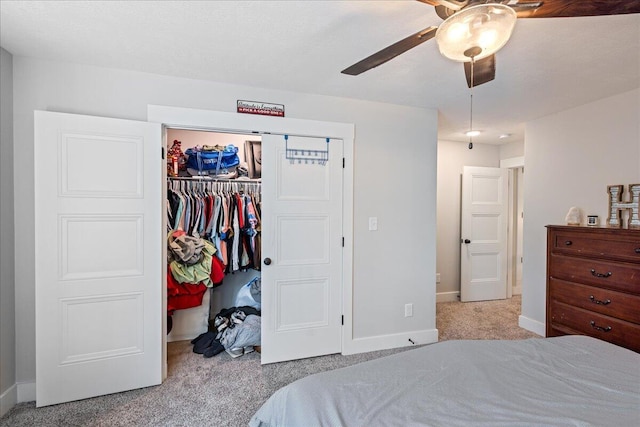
98 255
483 246
302 245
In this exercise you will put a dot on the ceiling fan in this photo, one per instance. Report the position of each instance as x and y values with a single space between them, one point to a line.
463 36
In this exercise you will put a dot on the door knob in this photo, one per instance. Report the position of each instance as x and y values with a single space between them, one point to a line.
267 261
467 241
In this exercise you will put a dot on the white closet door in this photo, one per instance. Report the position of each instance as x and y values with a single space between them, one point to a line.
302 238
98 256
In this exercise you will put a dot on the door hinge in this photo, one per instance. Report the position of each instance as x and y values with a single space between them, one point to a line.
342 320
162 153
343 242
343 161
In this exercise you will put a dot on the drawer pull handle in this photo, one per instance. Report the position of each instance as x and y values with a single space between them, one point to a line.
605 275
569 243
597 301
600 328
638 250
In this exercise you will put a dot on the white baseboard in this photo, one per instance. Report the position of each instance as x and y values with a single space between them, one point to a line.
448 296
384 342
532 325
26 392
8 399
517 290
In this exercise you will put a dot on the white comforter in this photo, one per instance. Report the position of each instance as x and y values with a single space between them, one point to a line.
563 381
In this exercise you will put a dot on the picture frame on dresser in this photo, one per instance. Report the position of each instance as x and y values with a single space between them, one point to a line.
593 283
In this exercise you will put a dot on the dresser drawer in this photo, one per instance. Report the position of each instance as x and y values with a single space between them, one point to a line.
613 275
606 245
603 301
567 319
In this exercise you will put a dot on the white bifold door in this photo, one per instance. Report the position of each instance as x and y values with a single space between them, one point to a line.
98 256
302 250
483 246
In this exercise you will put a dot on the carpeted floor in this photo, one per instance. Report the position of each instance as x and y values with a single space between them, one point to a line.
222 391
486 320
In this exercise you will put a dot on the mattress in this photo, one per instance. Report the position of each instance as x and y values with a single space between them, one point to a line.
561 381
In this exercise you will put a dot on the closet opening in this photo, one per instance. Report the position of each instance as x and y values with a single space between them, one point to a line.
213 224
307 228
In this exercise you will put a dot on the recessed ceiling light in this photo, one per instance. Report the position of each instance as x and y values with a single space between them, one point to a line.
504 135
472 133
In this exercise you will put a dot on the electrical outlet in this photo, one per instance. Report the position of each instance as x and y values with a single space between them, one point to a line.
437 277
373 223
408 310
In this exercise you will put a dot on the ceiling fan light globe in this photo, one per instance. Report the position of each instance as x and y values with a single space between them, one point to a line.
457 32
487 39
487 26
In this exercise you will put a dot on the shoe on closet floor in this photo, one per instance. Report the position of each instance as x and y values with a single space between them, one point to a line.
221 323
235 352
216 348
238 317
204 342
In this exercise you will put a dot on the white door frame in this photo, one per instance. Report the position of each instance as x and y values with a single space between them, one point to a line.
511 164
196 119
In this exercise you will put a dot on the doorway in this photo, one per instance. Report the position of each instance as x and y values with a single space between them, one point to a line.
300 129
188 323
515 167
491 231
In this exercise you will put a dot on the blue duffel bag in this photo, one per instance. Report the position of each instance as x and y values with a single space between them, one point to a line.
213 162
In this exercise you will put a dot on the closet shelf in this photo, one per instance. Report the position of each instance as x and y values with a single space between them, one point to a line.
213 179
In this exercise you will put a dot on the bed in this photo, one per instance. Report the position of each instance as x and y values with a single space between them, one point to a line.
561 381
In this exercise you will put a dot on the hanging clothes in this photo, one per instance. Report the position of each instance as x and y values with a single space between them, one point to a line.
227 214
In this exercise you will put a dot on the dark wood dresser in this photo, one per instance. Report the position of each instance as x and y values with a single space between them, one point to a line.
593 283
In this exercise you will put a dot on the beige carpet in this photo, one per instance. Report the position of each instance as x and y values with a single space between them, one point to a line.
486 320
222 391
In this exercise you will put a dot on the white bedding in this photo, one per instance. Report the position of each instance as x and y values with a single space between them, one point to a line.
563 381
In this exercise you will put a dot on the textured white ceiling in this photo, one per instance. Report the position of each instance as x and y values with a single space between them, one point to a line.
549 65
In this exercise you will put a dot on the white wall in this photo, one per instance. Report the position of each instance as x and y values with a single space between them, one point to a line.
571 157
511 150
7 297
395 166
452 156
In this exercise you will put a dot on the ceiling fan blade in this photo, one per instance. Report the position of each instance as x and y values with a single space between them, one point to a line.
452 4
391 52
430 2
569 8
484 70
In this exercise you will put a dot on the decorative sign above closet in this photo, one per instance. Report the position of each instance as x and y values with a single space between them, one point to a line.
261 108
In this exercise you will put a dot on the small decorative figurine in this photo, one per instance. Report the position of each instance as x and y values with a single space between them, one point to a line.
574 216
176 160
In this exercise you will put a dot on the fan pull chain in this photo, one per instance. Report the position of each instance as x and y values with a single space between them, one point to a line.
471 107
